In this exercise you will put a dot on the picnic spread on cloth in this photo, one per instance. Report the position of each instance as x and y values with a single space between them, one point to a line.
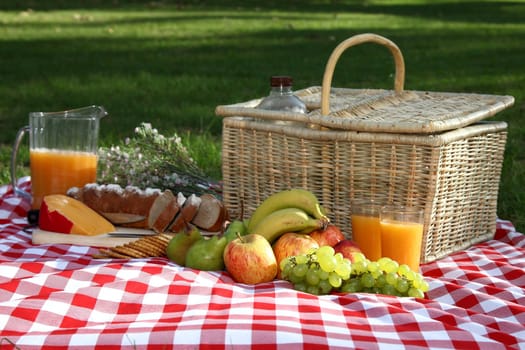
429 150
58 296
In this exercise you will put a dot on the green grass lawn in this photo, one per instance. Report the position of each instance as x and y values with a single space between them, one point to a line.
171 63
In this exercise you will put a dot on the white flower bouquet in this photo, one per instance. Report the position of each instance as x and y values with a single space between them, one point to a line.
149 159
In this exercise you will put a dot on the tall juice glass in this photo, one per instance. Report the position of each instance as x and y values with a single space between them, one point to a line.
365 228
402 234
62 151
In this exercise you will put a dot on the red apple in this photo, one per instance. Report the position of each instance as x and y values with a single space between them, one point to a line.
249 259
291 244
331 235
347 248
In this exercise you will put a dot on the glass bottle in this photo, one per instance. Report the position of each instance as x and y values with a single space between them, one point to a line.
281 97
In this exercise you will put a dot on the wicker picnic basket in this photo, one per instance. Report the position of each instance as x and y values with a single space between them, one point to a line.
426 149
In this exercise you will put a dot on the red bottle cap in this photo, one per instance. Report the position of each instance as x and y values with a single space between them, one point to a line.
280 80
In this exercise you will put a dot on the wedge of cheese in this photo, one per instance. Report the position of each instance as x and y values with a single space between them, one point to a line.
63 214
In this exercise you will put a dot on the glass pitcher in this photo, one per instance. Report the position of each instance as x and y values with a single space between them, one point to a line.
62 151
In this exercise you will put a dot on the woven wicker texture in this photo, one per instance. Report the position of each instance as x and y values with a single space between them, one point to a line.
405 147
413 112
453 177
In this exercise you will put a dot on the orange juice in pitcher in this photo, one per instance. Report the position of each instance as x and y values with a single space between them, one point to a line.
62 151
55 171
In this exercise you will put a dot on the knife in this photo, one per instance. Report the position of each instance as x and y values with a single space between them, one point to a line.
131 234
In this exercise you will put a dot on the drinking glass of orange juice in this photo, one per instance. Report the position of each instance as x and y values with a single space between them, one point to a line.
365 227
62 151
402 234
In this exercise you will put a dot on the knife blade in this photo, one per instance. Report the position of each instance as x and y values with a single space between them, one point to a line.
131 234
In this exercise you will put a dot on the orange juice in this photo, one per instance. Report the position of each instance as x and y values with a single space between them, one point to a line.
401 241
54 172
367 235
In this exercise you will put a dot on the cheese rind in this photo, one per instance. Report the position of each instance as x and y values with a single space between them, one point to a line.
60 213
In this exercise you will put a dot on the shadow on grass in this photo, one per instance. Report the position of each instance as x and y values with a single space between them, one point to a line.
176 83
465 11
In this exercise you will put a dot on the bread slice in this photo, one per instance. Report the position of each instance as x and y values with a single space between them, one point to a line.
187 212
178 224
211 214
163 211
191 207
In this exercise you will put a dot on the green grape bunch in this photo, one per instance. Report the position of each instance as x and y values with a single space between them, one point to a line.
322 271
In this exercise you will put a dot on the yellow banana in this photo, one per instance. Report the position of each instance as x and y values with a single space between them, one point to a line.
293 198
286 220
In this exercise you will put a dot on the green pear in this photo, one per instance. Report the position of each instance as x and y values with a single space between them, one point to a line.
206 254
235 228
179 245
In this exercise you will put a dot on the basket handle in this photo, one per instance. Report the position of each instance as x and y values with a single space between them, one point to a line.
353 41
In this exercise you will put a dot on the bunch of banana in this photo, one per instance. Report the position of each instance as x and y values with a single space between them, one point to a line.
294 210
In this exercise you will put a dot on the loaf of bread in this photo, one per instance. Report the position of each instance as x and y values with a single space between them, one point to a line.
161 211
129 206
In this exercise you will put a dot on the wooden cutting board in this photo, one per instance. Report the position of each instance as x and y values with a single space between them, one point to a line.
104 240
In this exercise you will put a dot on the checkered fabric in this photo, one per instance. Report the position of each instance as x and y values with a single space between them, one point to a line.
57 296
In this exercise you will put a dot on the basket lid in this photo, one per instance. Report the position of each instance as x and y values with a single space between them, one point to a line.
376 110
401 112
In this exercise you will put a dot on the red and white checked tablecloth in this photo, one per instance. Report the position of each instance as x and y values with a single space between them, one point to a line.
57 296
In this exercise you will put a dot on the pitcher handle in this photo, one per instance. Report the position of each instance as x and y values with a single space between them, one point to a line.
18 191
